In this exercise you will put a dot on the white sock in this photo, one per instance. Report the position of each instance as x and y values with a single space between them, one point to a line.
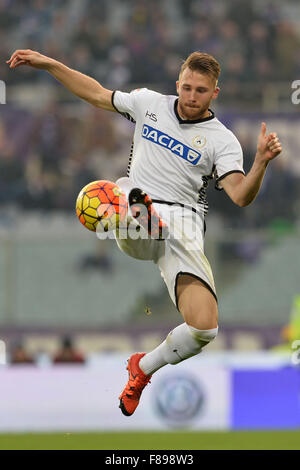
181 343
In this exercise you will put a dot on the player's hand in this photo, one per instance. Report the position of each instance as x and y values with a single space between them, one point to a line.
268 145
29 57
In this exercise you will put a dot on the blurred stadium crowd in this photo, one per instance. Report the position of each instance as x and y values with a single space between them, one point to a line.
47 155
65 353
128 41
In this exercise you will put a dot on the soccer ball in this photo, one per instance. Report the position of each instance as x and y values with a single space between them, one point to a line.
101 205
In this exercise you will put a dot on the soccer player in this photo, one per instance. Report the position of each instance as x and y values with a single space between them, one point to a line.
179 144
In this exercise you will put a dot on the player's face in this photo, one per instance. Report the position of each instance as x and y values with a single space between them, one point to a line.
195 92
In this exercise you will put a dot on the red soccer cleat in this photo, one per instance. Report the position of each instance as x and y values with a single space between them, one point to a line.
143 211
130 397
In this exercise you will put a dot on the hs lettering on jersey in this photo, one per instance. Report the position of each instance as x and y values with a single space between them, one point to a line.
151 116
176 147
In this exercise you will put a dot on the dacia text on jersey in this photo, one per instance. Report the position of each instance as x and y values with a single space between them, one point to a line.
164 140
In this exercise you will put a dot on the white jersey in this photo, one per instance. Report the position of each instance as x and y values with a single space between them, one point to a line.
173 159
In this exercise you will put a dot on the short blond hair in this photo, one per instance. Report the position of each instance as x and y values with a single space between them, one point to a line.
202 63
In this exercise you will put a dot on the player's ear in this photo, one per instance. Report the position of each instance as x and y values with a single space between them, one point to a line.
177 86
216 92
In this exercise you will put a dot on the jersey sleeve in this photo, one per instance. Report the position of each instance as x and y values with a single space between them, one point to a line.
229 159
127 104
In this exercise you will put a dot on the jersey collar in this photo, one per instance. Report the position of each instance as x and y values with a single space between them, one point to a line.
188 121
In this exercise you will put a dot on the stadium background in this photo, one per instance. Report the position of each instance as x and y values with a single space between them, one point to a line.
58 280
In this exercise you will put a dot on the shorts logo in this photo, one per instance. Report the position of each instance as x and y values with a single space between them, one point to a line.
176 147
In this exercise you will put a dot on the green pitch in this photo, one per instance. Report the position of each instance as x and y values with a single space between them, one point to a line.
260 440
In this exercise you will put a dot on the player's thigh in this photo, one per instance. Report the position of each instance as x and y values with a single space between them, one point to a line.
196 303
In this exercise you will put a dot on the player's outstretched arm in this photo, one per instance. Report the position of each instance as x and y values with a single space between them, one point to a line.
81 85
244 189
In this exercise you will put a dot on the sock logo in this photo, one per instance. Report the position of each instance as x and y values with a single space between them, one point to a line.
176 352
